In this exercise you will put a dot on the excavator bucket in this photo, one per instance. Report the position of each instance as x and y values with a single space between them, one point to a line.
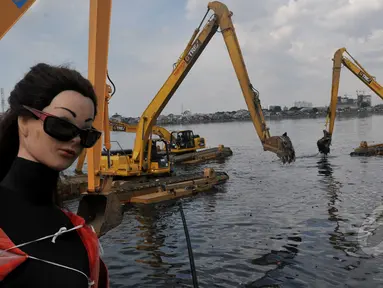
324 143
282 146
101 210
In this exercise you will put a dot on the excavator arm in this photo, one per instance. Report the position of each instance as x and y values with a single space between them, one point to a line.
358 70
281 145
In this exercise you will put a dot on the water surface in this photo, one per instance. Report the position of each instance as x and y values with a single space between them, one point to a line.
270 225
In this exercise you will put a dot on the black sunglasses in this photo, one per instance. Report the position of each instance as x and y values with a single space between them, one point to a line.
63 130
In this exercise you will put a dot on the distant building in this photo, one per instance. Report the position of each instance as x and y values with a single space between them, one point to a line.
322 108
303 104
346 102
116 117
363 100
187 112
275 108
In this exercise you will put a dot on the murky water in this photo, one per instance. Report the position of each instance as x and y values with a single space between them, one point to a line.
270 225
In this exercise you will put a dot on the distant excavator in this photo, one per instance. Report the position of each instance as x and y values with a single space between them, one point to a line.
184 146
357 69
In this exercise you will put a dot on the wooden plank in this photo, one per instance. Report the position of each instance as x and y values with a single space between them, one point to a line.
161 196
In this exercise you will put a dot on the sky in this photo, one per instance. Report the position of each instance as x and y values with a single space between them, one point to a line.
287 46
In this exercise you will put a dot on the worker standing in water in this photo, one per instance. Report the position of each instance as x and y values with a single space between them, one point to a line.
48 124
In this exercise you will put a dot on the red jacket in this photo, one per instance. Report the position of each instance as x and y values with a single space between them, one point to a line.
10 260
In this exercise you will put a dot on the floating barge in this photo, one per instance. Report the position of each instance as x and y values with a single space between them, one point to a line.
199 156
368 150
148 190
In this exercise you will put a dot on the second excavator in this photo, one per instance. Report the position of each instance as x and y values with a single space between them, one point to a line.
184 146
181 141
358 70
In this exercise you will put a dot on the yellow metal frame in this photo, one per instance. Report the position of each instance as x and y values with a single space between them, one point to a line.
99 30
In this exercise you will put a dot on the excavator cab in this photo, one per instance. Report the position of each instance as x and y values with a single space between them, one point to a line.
199 142
154 162
182 139
185 141
159 158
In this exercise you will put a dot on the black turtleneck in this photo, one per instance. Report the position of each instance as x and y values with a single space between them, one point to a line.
27 212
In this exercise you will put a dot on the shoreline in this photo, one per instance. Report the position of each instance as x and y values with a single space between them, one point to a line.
244 116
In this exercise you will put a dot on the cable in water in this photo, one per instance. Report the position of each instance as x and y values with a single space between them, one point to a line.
190 251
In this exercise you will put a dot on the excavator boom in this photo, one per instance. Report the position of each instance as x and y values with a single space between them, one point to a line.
281 145
358 70
123 127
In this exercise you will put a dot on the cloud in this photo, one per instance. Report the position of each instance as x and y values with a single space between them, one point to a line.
287 47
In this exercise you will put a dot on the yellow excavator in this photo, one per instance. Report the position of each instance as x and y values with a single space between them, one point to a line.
180 141
143 159
138 161
221 18
357 69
